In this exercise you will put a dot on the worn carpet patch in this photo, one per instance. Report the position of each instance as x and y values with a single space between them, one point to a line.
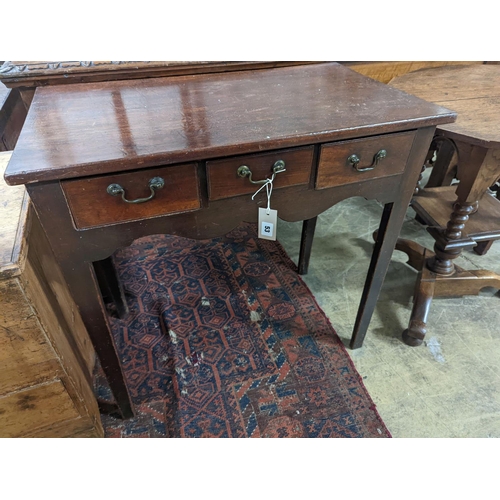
224 339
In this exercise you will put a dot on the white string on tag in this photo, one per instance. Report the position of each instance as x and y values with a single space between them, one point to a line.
269 189
268 218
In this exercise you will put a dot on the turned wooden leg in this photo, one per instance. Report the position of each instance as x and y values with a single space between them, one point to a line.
308 228
418 257
449 243
422 298
110 285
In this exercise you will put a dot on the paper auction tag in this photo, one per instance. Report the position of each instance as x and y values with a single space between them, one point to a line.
268 221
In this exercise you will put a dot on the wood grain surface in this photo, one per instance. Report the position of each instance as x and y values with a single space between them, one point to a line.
35 408
35 74
223 181
81 427
335 170
125 125
99 130
435 205
39 344
32 73
13 212
43 282
13 112
472 91
26 356
385 71
91 205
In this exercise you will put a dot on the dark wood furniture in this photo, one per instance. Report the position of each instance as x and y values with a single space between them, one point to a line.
29 74
464 215
22 77
341 135
12 115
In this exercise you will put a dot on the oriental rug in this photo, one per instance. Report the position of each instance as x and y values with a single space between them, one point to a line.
224 339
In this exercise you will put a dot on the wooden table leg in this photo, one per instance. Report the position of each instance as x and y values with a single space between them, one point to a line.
422 299
110 285
430 284
74 258
378 267
306 241
445 167
478 170
439 275
387 235
83 286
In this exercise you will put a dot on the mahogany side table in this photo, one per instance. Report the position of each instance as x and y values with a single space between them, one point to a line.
463 215
89 152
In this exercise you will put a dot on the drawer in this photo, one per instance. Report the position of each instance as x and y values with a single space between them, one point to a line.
91 205
224 182
339 165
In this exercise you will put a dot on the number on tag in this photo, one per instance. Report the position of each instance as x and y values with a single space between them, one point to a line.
267 224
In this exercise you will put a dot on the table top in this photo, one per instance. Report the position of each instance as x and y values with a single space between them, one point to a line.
472 91
94 128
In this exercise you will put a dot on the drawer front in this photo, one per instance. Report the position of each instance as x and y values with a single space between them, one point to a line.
224 182
348 162
91 205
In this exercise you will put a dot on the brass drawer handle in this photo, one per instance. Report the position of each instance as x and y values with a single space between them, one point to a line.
154 183
354 161
244 171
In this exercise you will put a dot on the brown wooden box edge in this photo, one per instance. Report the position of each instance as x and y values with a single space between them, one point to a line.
46 358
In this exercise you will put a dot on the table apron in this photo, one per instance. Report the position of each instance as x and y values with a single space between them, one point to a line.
216 219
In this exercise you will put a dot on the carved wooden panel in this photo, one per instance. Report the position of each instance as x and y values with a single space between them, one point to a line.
35 74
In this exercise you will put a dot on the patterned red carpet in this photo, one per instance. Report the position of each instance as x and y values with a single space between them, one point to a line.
225 340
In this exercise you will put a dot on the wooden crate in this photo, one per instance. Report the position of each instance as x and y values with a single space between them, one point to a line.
46 358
